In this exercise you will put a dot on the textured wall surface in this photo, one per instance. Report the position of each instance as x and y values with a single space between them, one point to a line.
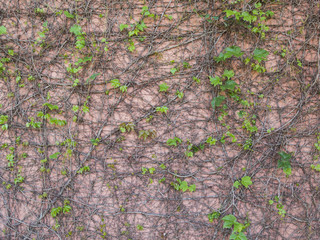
160 119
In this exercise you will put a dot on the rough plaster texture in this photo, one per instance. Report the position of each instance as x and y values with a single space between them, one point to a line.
112 199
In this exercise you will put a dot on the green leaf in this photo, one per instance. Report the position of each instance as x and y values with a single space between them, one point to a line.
238 227
3 119
55 211
179 94
50 106
287 171
3 30
197 80
173 70
315 167
131 48
236 184
228 74
115 83
260 54
215 81
229 52
85 108
92 77
211 141
233 51
229 85
246 17
144 170
217 101
123 26
162 109
54 156
123 88
213 215
145 8
131 33
284 161
229 12
141 26
192 188
139 227
66 209
76 29
246 181
239 236
163 166
258 5
229 220
173 141
68 15
184 186
122 129
41 34
163 87
269 13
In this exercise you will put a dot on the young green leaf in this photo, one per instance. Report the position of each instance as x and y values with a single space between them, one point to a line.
315 167
260 54
163 166
92 77
173 141
284 162
162 109
139 227
75 108
228 74
228 53
197 80
68 15
238 227
184 186
215 81
229 85
229 220
173 70
247 17
213 215
54 156
55 211
144 170
76 29
66 209
123 26
179 94
192 188
229 12
123 88
246 181
238 236
236 184
115 83
163 87
3 30
211 141
217 101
